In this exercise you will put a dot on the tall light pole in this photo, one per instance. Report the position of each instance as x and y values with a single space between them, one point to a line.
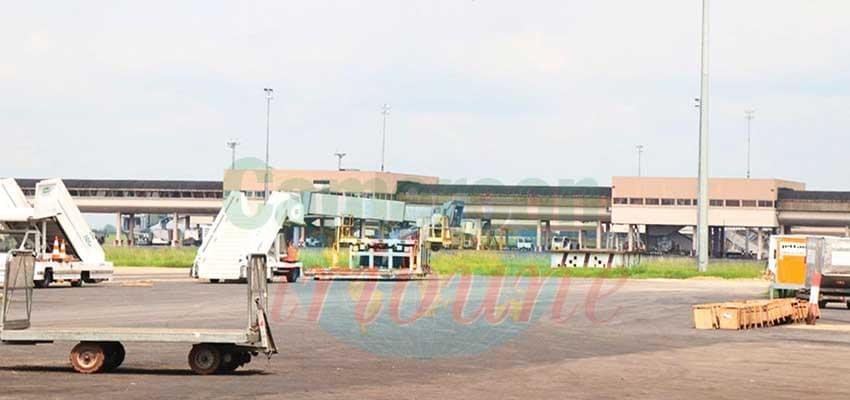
269 97
232 143
750 114
702 214
339 157
640 154
385 111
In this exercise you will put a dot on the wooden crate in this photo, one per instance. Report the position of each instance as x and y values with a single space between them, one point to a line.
705 316
734 316
749 314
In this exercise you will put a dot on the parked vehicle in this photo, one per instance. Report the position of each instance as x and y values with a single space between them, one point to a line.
314 242
524 244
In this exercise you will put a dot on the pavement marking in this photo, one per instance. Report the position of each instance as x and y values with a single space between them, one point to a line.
822 327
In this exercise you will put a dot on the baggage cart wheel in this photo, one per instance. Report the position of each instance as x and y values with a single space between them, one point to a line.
88 357
77 283
230 360
114 356
291 276
233 358
205 358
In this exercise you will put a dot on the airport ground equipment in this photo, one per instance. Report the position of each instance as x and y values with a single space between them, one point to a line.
827 277
406 256
54 229
375 258
388 259
593 258
100 349
492 237
288 265
787 262
445 227
241 229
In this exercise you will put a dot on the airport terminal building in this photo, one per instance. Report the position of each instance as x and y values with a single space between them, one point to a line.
660 212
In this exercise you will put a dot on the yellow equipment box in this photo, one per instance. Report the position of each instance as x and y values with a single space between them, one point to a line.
788 261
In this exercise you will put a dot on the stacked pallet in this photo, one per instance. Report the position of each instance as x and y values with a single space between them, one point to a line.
750 314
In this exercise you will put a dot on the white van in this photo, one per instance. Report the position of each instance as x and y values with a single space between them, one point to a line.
524 244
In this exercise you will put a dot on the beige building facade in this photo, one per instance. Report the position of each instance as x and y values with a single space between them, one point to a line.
733 202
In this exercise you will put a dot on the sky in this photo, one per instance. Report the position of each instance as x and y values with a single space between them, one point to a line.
533 91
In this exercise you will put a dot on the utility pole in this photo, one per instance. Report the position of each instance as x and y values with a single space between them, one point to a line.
339 157
232 143
640 153
385 111
750 115
702 214
269 97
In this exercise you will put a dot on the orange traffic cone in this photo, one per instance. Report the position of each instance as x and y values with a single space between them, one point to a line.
291 254
55 254
62 254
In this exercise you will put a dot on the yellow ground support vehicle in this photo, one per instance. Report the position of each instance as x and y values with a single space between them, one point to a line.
787 261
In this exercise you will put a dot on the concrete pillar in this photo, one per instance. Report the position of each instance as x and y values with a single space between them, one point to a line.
175 231
694 242
131 230
547 237
479 227
747 241
847 231
188 224
539 246
598 234
321 234
716 239
580 238
710 241
717 243
631 238
118 233
723 242
759 244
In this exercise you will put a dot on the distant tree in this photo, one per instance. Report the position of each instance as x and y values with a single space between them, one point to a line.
109 228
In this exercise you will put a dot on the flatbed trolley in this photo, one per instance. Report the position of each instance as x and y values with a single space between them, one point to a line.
101 349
